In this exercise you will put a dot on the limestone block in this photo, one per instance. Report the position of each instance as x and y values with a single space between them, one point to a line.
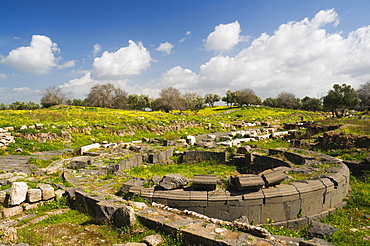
217 198
10 212
59 193
34 195
18 193
47 191
253 198
6 175
147 193
3 198
274 178
153 240
28 206
86 148
190 140
160 196
234 199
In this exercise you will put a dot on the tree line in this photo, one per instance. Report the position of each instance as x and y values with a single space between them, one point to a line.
337 100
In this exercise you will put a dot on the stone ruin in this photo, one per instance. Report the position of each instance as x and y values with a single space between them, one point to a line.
5 137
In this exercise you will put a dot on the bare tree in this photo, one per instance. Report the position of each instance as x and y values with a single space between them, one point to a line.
107 96
288 100
52 96
169 99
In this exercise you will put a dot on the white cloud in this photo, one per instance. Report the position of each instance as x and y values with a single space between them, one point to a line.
300 57
22 89
38 58
179 77
224 38
97 49
130 60
67 64
184 38
165 47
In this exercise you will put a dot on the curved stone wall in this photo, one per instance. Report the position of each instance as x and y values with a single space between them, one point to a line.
279 203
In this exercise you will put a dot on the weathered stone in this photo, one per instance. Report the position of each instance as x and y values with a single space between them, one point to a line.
59 193
47 191
247 182
204 182
173 181
274 178
190 140
156 179
131 183
13 211
86 148
79 162
6 175
153 240
315 242
321 229
244 149
27 206
9 235
131 244
18 193
124 216
34 195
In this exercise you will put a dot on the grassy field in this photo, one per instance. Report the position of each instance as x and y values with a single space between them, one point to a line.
88 125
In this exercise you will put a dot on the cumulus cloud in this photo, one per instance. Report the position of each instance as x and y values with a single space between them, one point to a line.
130 60
96 49
179 77
25 94
224 38
300 57
38 58
165 47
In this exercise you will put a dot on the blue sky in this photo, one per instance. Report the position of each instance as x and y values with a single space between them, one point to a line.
207 46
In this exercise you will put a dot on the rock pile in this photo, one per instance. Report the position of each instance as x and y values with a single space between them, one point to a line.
5 138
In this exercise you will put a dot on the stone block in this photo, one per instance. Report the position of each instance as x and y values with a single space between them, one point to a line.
47 191
178 198
198 198
124 216
34 195
160 196
10 212
134 181
147 193
234 199
248 182
274 178
79 162
253 198
204 182
212 212
18 193
216 198
28 206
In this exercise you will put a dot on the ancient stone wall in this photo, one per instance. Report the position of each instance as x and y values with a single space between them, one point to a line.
198 156
5 138
336 140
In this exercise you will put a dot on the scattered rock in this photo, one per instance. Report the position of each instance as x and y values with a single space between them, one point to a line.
131 183
79 162
315 242
47 191
124 216
243 219
321 229
9 235
34 195
244 149
173 181
156 179
18 193
153 240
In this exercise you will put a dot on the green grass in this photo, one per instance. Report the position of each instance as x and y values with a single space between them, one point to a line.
187 170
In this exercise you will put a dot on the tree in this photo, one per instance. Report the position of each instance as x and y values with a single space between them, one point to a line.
364 95
194 101
76 102
24 106
52 96
288 100
270 102
169 99
210 99
137 102
107 96
311 104
3 106
247 97
231 98
340 98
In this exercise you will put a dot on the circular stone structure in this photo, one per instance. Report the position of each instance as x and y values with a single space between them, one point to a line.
282 202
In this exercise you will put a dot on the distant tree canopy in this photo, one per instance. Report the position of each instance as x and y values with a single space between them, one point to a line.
52 96
139 102
169 99
107 96
231 98
288 100
364 95
270 102
211 99
311 104
194 101
340 98
247 97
